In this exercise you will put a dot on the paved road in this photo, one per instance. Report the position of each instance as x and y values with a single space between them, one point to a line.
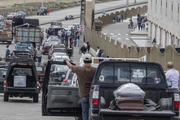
120 32
75 11
24 109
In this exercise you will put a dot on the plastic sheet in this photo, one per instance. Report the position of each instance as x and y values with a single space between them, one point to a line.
129 90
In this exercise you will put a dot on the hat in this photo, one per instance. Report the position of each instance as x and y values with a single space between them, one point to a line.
87 58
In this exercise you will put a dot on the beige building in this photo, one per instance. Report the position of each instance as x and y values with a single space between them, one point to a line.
164 22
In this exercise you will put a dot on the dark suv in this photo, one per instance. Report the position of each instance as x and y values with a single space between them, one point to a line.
21 80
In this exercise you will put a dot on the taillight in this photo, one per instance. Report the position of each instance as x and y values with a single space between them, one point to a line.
95 95
38 84
176 104
65 81
5 84
176 100
95 101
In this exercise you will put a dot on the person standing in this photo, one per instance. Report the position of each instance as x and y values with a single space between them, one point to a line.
85 76
7 52
88 46
97 52
114 19
172 75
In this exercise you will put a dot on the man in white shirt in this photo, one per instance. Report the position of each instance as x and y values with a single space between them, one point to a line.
172 75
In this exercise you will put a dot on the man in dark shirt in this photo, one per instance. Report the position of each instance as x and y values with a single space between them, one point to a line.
84 76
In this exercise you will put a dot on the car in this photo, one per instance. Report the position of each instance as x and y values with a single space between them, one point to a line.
60 58
46 46
61 51
21 14
3 72
40 72
21 80
58 99
148 76
70 79
12 15
42 11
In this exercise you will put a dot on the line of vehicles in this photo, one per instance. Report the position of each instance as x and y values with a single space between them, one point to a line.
23 77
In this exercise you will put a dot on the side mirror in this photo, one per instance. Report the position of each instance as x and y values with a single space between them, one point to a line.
169 83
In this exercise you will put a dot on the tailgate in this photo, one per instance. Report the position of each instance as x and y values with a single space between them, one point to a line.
166 113
62 97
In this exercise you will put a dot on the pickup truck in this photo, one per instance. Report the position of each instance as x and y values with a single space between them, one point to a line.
148 76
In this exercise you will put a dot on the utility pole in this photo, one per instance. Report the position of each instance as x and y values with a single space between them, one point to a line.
127 3
134 1
24 5
82 21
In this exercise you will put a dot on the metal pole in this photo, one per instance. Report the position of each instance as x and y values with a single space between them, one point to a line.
82 21
24 4
127 3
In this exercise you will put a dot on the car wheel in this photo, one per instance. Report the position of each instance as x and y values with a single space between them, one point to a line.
36 98
6 97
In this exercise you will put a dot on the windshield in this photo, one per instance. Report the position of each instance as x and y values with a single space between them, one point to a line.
124 73
39 68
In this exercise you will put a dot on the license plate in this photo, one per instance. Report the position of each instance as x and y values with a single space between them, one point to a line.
19 81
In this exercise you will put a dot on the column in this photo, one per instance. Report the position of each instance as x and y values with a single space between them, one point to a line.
163 42
153 31
158 35
150 30
166 38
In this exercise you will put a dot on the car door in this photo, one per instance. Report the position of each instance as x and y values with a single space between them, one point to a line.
55 95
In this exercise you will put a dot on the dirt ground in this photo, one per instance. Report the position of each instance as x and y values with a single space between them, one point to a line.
4 3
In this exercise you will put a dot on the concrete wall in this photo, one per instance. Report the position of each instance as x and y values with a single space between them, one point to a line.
133 11
165 16
114 48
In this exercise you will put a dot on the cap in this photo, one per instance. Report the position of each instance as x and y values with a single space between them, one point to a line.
87 58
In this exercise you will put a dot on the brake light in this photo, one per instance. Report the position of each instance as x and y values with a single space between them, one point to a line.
176 104
65 81
5 84
95 95
38 84
95 101
176 100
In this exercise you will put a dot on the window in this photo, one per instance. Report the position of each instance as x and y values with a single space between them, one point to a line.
130 73
106 74
22 72
122 73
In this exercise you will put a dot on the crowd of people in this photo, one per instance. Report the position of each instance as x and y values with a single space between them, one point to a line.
118 18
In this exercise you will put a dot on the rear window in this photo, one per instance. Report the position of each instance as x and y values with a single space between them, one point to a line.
22 72
125 73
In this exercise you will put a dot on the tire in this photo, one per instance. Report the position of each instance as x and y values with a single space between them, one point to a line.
6 97
36 98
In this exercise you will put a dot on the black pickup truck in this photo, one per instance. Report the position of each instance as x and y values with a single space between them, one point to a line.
148 76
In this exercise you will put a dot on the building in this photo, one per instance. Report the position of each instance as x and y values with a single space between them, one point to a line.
164 22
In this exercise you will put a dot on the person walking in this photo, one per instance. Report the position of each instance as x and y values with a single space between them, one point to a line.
84 76
114 19
7 52
39 55
83 49
88 46
172 75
